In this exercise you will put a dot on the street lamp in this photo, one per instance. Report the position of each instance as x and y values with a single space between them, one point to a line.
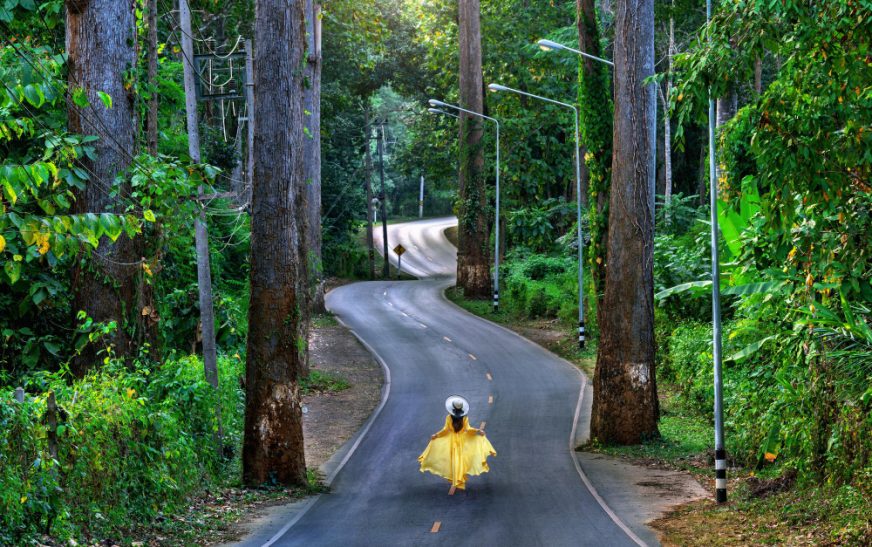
435 104
438 111
548 45
498 87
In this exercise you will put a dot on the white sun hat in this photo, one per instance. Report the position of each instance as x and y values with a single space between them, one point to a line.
456 402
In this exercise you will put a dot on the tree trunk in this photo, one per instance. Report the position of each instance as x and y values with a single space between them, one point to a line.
312 116
278 318
625 408
758 76
201 234
595 109
473 256
367 162
100 41
726 109
151 119
667 122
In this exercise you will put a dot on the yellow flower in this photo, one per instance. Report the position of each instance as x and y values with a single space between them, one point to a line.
770 457
2 243
130 392
23 499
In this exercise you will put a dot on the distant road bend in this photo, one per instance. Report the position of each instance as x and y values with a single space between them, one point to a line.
526 398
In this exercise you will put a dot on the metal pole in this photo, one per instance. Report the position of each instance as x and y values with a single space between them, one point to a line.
579 235
720 451
497 230
421 199
381 166
367 162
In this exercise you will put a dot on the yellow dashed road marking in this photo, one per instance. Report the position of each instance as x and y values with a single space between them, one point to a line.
436 526
490 399
489 377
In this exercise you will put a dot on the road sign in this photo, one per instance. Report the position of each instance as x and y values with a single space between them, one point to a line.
399 249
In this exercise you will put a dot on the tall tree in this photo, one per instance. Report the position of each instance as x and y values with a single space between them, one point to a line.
625 408
473 260
312 113
151 116
100 41
278 318
595 108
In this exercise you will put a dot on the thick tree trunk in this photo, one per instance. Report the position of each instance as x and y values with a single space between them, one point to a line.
278 318
595 109
100 40
473 256
312 116
625 408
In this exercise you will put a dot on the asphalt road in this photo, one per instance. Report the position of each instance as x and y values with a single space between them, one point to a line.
528 398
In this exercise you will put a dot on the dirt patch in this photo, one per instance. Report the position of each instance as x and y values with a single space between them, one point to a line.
333 418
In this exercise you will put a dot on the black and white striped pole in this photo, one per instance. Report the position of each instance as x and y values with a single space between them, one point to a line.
720 450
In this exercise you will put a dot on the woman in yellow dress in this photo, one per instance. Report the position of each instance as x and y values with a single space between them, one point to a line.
458 450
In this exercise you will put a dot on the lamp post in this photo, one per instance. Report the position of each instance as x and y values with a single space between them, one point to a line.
498 87
435 110
548 45
720 450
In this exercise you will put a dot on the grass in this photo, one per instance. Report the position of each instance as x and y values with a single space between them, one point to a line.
320 382
323 320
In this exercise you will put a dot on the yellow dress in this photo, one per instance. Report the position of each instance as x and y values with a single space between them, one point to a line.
457 455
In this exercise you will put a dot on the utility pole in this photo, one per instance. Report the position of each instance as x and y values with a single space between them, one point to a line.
367 162
249 118
383 198
204 274
421 199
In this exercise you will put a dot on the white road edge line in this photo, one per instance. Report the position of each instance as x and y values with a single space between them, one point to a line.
584 479
386 391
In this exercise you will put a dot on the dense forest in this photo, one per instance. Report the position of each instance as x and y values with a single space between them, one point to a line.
156 262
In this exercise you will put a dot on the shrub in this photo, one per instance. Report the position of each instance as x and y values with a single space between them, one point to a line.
131 444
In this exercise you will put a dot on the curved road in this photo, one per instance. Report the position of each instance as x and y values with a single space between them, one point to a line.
528 398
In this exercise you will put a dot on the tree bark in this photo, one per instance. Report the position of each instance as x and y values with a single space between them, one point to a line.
473 256
278 321
625 408
312 116
758 76
151 119
595 106
100 42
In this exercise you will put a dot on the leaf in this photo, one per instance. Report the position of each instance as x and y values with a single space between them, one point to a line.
750 349
754 288
148 215
693 286
13 270
34 95
106 98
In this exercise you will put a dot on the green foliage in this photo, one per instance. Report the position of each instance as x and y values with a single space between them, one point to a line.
132 444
